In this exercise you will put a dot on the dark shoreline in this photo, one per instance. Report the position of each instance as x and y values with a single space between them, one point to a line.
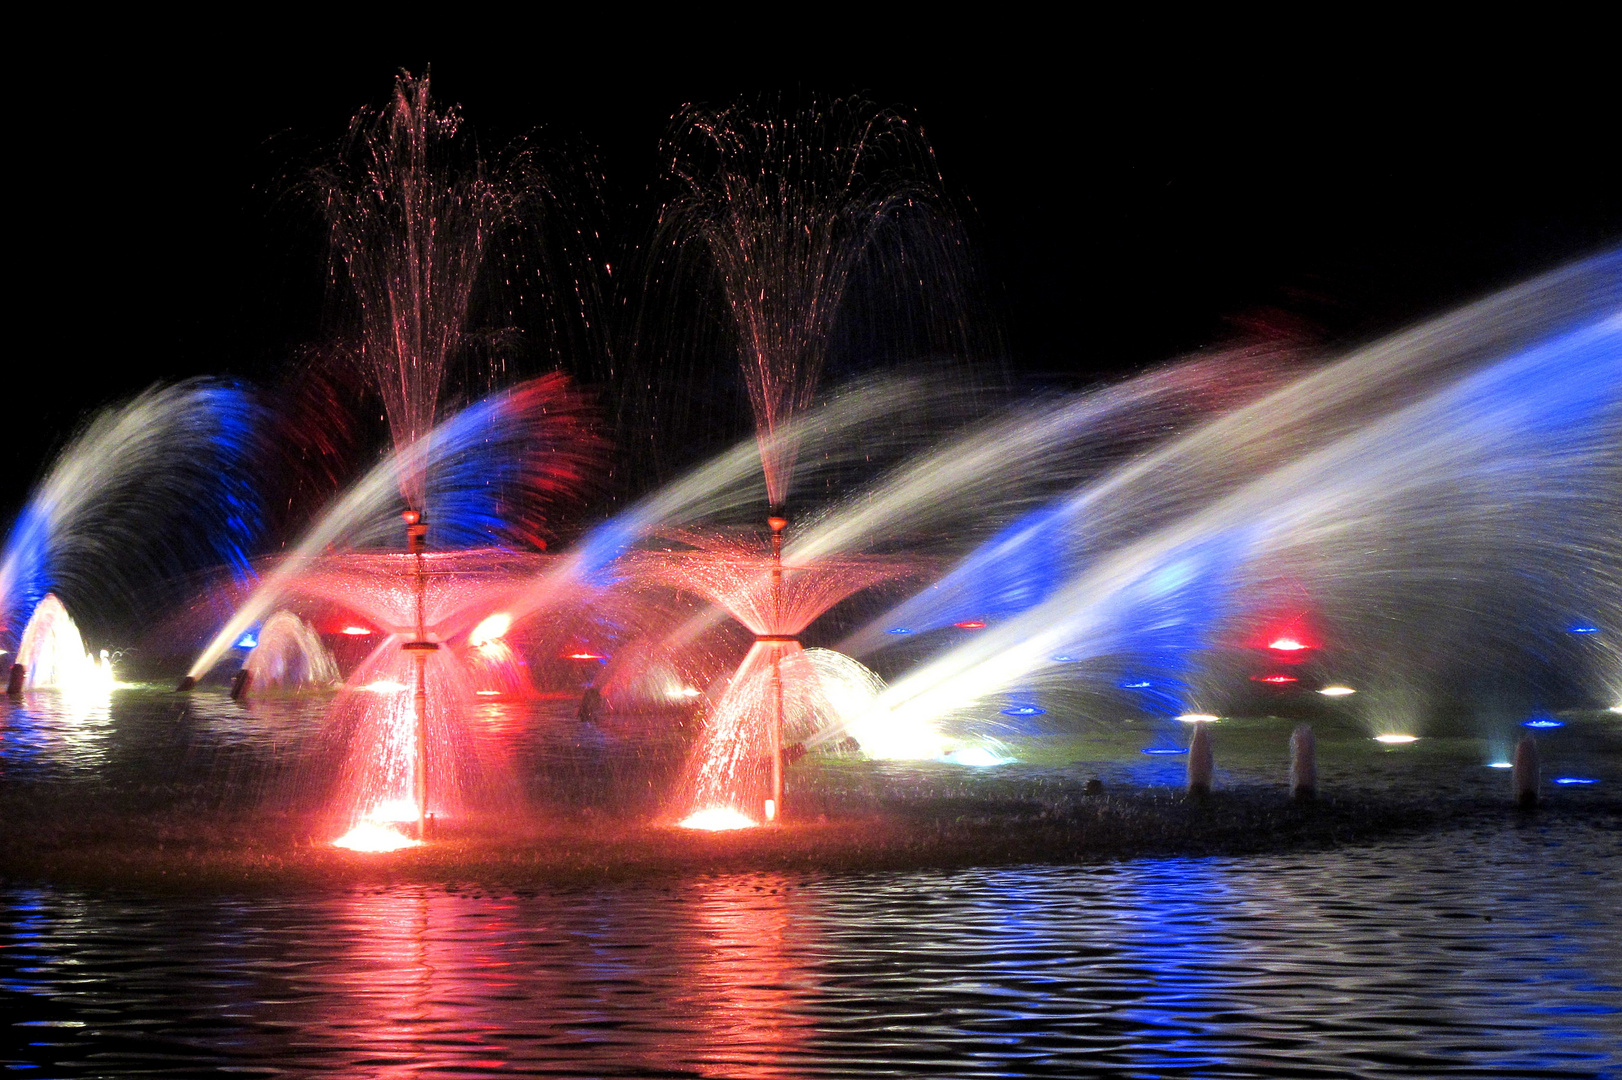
181 850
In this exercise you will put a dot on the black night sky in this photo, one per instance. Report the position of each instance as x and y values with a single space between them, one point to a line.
1117 222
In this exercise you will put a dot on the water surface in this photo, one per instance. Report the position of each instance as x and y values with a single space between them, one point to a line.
1486 953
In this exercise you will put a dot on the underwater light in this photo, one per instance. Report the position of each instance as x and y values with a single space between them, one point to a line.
1023 710
371 836
385 686
1336 691
1144 685
1396 740
1276 680
1544 723
584 656
1583 630
978 757
490 630
1500 764
970 624
1574 780
357 631
1286 644
1198 718
488 693
248 641
717 819
899 630
1165 750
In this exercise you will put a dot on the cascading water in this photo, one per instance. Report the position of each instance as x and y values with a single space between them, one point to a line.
288 656
53 654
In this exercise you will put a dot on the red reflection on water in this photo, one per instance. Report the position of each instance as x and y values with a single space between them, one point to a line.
746 970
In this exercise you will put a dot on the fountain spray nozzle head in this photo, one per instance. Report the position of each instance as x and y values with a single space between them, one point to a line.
778 524
416 531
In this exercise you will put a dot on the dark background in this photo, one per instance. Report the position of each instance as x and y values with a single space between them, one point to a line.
1118 220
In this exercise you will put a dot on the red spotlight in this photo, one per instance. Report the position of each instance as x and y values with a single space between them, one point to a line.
1276 680
970 624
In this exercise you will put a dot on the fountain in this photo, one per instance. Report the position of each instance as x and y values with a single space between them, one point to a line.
411 211
784 211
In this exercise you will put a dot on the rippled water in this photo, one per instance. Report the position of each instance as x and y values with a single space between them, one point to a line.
1489 954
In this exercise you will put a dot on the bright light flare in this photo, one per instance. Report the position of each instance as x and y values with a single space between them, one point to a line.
1336 691
718 819
1276 680
1575 780
1541 724
490 630
584 656
374 836
1396 740
357 631
1198 718
385 686
978 757
970 624
248 641
1286 644
1500 764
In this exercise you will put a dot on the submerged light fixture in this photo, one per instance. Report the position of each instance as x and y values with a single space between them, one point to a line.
1396 740
1336 691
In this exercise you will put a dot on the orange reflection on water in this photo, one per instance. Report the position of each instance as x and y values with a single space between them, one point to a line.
746 941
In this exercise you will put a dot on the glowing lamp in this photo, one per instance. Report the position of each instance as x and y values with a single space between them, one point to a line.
371 836
490 629
717 819
1574 780
970 624
1198 718
584 656
1583 630
1500 764
411 517
1023 710
1165 750
1286 644
900 630
1542 723
358 631
1396 740
1143 685
771 804
1336 691
1276 680
385 686
488 693
248 641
